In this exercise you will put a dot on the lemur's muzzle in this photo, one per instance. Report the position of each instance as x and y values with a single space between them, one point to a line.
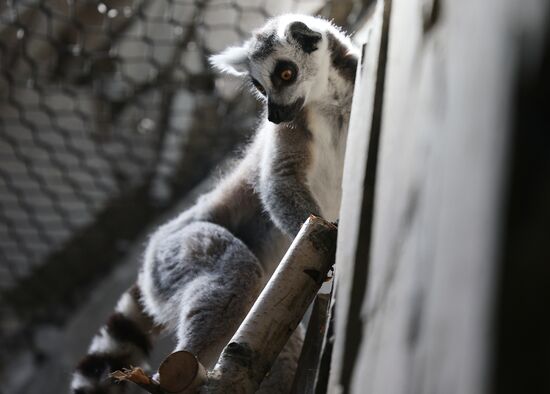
283 113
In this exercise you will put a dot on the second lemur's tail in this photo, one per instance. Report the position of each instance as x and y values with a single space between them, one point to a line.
124 341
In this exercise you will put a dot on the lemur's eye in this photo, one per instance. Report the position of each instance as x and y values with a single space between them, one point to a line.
258 86
286 75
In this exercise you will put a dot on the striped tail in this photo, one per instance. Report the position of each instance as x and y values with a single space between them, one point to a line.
125 340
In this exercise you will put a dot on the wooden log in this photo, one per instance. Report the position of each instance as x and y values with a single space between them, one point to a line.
179 373
251 352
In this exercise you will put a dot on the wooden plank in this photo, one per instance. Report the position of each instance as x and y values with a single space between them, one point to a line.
323 373
356 207
442 166
522 343
308 363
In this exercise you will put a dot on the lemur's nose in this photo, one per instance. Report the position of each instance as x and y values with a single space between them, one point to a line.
278 113
274 115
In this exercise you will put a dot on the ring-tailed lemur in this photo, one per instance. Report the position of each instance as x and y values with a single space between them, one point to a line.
203 270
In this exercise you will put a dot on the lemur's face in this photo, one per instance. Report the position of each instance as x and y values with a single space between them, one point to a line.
281 64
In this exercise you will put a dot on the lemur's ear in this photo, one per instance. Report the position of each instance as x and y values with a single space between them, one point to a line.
306 37
233 60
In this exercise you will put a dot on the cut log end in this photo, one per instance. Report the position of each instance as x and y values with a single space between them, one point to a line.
181 371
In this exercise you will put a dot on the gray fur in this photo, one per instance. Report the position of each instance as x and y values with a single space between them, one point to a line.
203 270
208 276
283 186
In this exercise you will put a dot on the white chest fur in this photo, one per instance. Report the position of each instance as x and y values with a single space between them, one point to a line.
328 149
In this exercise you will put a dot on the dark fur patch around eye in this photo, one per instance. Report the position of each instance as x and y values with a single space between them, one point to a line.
281 66
258 86
304 36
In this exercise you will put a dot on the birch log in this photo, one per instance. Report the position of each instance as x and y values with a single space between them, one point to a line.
251 352
180 373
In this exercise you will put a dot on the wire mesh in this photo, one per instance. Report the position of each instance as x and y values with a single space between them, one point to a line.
108 113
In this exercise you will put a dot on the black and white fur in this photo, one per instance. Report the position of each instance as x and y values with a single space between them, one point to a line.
203 270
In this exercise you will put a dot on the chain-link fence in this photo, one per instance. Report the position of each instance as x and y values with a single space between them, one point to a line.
109 113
